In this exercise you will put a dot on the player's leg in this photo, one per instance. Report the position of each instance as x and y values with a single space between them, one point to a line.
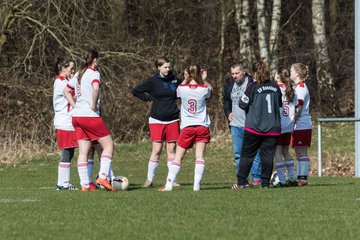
157 133
64 168
267 153
289 165
199 164
303 165
153 163
279 164
107 145
174 169
249 149
84 148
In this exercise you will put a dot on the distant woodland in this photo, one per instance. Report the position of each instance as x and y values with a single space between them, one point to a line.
130 34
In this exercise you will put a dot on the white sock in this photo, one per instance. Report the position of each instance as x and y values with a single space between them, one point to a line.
289 164
111 173
152 167
83 174
64 174
173 172
90 166
198 173
105 165
280 169
169 163
303 166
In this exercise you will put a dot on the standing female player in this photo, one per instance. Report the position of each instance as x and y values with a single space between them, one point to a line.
88 124
261 102
65 134
301 138
164 117
289 101
195 124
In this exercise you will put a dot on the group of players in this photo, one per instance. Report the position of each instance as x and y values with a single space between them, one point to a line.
262 113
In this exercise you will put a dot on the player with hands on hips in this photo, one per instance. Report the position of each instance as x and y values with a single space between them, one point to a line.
89 125
65 133
160 89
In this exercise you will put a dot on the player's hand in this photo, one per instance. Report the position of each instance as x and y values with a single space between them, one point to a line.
231 117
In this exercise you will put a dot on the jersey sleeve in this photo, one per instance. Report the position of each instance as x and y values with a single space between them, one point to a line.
178 92
209 92
300 94
96 78
246 98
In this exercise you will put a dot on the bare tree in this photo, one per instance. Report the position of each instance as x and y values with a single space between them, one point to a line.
242 19
274 31
261 21
326 85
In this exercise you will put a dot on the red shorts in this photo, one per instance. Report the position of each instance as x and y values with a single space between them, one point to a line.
284 139
66 139
164 132
193 134
301 138
91 128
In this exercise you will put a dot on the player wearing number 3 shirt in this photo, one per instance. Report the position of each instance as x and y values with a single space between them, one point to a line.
261 102
195 123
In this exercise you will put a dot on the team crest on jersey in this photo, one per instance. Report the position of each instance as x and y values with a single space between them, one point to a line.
245 99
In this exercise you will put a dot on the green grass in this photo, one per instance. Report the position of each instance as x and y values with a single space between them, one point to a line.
30 208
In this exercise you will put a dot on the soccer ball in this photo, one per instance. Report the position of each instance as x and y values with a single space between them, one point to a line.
274 180
120 183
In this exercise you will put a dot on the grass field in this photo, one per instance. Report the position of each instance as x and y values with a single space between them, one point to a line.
30 208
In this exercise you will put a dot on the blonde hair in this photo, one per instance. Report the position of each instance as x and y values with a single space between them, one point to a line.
302 70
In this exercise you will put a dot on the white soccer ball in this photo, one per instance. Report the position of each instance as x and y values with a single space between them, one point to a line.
274 180
120 183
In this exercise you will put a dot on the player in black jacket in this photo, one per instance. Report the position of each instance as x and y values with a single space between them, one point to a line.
160 89
261 102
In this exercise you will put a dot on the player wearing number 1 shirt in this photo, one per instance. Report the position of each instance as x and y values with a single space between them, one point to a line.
261 102
195 123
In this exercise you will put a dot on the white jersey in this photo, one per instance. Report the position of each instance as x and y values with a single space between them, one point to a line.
62 109
287 111
303 96
193 105
83 91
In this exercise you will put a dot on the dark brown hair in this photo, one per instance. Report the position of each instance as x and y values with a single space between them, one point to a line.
260 72
89 57
62 62
284 75
194 72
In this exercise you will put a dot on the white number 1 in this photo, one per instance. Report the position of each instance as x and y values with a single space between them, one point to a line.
268 99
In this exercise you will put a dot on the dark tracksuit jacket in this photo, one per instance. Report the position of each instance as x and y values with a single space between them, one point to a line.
161 91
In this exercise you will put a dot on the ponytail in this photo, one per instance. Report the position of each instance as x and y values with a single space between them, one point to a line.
284 75
89 57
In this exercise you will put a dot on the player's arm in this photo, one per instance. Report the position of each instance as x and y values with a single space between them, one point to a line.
298 109
95 95
142 91
245 100
68 96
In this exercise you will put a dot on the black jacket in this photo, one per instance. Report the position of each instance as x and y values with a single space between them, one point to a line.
162 93
227 102
262 103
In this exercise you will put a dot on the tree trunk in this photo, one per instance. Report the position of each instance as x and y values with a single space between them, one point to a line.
275 25
263 46
326 87
242 19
